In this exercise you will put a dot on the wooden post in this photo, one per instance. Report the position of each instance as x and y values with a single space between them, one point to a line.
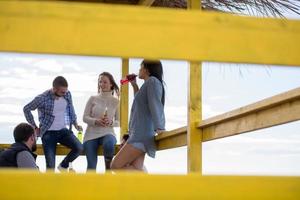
194 135
194 4
124 100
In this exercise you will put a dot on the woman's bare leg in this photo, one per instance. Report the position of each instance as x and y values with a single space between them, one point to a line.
126 157
139 162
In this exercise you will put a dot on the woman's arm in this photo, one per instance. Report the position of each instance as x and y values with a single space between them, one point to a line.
154 95
87 113
134 86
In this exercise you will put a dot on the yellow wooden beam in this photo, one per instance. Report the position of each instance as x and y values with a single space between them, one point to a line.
194 4
276 110
95 29
264 104
124 99
179 140
171 133
23 185
171 139
166 140
194 135
146 2
60 150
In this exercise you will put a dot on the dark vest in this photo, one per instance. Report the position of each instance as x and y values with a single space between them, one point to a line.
8 157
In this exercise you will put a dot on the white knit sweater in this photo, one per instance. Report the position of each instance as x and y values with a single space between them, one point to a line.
95 109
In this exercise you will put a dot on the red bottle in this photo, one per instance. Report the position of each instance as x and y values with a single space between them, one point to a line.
129 77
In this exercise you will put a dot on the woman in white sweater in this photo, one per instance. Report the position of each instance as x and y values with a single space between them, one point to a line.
101 114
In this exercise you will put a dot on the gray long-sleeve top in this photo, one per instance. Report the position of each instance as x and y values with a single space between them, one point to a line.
147 115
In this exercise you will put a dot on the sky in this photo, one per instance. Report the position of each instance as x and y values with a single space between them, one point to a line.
271 151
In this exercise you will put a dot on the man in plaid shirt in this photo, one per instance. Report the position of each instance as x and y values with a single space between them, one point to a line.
55 111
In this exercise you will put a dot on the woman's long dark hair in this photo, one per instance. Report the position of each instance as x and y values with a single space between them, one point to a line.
155 69
114 87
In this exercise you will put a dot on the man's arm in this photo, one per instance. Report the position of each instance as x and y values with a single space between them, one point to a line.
34 104
26 160
73 117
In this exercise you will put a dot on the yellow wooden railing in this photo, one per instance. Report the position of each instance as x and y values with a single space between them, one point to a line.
276 110
127 31
29 185
95 29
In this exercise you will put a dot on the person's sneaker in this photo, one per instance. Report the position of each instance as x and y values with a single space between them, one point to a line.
71 169
62 169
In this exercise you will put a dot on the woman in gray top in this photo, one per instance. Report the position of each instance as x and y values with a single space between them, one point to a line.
147 118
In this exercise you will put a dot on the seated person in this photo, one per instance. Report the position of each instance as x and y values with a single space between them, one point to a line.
20 154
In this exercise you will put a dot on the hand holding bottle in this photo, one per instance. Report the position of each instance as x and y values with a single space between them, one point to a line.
103 121
78 127
108 121
129 78
100 122
79 136
37 132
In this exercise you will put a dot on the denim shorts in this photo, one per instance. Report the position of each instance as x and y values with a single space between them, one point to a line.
139 146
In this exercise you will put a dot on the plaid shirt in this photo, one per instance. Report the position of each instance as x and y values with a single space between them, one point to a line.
45 104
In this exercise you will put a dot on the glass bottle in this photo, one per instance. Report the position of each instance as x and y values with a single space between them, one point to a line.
127 78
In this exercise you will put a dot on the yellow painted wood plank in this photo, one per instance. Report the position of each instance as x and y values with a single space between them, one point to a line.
124 99
174 141
60 150
194 135
279 109
166 140
273 101
194 4
171 133
171 139
95 29
29 185
277 115
276 110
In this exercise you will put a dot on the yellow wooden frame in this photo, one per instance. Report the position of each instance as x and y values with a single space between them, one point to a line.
194 135
279 109
96 29
30 185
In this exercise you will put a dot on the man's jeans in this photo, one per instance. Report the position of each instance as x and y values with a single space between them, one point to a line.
64 137
91 147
